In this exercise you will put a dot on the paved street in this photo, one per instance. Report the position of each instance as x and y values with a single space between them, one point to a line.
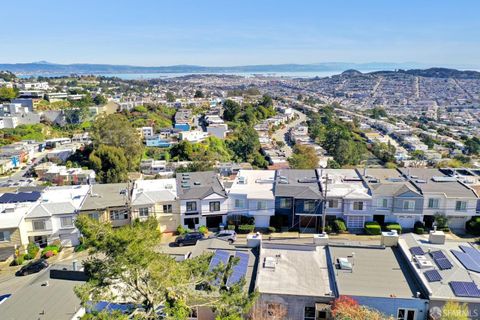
281 134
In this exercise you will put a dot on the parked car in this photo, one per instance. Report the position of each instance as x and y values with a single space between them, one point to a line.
32 267
226 235
4 297
189 239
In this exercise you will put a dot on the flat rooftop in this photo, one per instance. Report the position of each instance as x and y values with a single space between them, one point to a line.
35 301
256 184
376 272
299 270
439 289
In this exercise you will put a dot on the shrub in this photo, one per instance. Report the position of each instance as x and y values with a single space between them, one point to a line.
57 243
181 230
419 230
271 229
328 229
339 225
50 251
246 228
473 226
203 229
231 227
390 226
373 228
81 247
18 261
32 251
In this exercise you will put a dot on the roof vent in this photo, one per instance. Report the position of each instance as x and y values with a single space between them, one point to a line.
420 181
197 183
242 180
270 263
444 179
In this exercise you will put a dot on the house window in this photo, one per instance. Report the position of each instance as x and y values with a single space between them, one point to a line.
191 206
406 314
358 205
433 203
66 222
93 216
461 206
309 313
118 215
383 203
261 205
214 206
4 236
38 225
285 203
143 212
409 205
167 208
309 206
239 203
333 203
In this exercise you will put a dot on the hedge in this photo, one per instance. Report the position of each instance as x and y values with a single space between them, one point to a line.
393 226
373 228
339 225
246 228
473 226
271 229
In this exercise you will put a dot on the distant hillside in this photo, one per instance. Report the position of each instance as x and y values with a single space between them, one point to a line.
45 68
444 73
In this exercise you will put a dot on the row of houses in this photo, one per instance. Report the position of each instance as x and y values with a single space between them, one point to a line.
287 198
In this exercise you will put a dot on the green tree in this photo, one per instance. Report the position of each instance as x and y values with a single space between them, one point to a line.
109 163
231 109
472 146
378 113
100 100
245 143
115 130
384 151
170 96
199 94
126 259
303 157
7 94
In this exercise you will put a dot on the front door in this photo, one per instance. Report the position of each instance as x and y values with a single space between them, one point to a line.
380 218
308 223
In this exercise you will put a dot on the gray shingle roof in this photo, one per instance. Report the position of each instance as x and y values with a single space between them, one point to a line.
103 196
301 184
198 185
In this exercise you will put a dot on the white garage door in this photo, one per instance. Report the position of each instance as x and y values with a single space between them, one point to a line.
457 222
355 222
262 221
406 221
69 240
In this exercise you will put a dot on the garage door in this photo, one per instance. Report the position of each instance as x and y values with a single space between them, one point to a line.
355 222
457 222
262 221
406 221
69 240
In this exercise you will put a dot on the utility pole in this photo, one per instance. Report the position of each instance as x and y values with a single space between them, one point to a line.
324 213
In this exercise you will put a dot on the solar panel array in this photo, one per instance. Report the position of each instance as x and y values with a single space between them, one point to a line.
20 197
466 260
220 257
432 275
441 260
417 251
239 271
465 289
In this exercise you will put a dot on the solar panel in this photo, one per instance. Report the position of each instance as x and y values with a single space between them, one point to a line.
472 252
465 289
417 251
443 264
220 257
239 270
432 275
468 262
437 255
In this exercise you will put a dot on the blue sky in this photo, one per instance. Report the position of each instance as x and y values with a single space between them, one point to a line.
210 32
